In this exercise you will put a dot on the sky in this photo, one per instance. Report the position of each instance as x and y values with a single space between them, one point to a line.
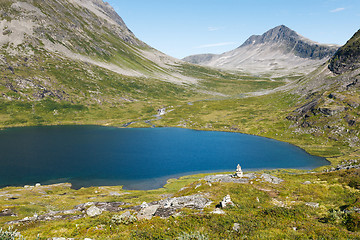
185 27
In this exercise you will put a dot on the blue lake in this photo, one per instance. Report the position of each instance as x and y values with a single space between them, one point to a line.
142 158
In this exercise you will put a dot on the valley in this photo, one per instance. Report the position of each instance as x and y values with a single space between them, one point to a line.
75 62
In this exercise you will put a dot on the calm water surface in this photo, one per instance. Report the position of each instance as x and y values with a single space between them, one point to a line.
136 158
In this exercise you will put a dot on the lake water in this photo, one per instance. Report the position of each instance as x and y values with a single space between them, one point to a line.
141 158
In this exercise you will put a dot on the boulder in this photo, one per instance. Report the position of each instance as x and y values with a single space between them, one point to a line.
226 201
236 227
93 211
147 212
218 211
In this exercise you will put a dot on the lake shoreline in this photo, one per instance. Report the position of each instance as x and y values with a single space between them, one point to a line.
265 158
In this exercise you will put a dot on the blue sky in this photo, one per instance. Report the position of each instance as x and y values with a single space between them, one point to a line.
184 27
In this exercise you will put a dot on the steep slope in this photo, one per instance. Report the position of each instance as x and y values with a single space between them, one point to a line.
330 98
278 51
348 57
89 31
75 61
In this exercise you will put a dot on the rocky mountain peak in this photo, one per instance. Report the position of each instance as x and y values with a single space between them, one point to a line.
279 33
291 41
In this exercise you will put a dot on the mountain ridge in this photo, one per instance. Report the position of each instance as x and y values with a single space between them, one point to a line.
279 49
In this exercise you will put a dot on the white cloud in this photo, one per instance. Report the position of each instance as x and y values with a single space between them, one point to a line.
337 10
211 29
216 45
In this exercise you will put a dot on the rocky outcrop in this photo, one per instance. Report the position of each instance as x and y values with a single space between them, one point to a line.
170 206
271 179
347 58
229 178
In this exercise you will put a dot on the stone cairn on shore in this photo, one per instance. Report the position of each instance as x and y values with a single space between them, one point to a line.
239 173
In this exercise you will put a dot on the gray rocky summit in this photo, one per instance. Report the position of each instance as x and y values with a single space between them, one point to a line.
279 50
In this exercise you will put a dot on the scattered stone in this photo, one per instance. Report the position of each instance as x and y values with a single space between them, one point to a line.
103 206
239 173
37 185
218 211
236 227
198 185
226 201
147 212
257 199
294 228
306 182
27 186
344 166
93 211
312 204
271 179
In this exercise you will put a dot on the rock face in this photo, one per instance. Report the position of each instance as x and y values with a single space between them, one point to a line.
347 58
279 49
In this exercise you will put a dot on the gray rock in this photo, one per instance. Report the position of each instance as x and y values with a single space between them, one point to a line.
271 179
93 211
144 205
312 204
306 182
196 201
226 202
218 211
147 212
114 194
236 227
229 178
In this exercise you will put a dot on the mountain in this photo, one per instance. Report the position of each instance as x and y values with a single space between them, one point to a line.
88 31
279 50
329 98
347 58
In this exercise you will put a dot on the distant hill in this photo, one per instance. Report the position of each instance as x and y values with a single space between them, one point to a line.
280 49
